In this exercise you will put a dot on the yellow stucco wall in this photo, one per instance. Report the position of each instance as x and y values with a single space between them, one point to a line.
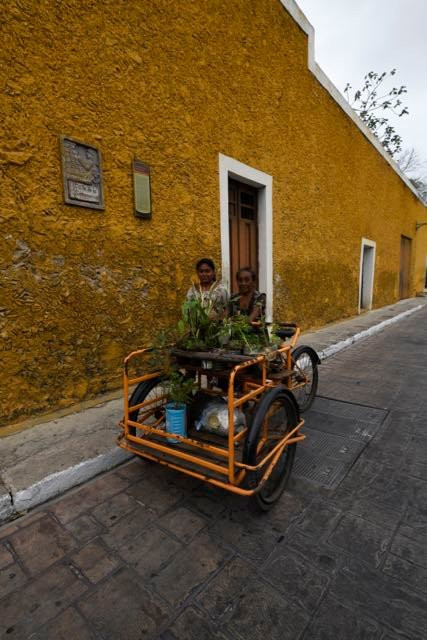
174 84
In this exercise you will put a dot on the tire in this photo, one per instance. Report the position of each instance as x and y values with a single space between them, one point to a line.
280 409
149 389
305 363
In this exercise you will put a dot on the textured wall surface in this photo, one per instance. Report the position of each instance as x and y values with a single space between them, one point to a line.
174 84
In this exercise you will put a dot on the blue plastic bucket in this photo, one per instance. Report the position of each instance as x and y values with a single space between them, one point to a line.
176 421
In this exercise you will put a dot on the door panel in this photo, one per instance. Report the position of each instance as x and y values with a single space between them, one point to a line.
243 220
405 266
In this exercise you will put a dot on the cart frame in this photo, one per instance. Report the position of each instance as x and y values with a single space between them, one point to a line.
213 464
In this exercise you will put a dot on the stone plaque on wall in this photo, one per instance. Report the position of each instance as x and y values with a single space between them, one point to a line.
82 174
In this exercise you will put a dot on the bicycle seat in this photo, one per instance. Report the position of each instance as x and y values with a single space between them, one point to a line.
285 332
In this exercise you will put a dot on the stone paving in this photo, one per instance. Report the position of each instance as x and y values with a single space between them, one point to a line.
142 552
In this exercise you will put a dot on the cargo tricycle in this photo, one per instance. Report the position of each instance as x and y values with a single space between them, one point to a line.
243 418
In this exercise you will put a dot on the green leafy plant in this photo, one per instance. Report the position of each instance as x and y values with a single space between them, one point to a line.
178 388
273 339
197 329
255 343
237 333
200 330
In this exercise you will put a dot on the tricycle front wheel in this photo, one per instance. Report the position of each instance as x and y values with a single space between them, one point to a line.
275 416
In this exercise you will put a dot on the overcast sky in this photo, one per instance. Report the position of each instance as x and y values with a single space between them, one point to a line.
353 37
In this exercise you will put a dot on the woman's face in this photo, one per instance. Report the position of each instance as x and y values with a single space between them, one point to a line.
206 274
245 282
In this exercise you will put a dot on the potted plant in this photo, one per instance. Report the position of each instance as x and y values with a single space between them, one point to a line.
178 389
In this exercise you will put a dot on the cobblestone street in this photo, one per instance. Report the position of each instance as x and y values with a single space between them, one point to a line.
143 552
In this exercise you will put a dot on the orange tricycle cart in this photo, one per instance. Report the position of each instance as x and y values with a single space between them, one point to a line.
243 419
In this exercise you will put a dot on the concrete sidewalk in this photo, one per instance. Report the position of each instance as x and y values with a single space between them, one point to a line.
42 462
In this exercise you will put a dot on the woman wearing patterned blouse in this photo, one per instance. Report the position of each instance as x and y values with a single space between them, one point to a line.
248 301
211 293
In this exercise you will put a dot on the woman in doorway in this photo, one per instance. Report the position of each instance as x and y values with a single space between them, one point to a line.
211 293
248 301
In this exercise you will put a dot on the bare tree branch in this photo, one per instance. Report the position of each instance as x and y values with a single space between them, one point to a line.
368 105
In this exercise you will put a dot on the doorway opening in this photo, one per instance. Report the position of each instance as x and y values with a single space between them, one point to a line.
405 266
246 209
366 278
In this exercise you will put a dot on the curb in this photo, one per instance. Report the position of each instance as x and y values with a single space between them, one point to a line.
59 482
6 503
376 328
14 502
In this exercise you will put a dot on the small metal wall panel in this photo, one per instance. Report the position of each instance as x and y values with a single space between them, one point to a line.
142 189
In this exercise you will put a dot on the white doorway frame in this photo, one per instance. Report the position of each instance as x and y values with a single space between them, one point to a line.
231 168
369 273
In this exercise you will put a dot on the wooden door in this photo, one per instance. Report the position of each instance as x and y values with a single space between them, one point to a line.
405 266
243 220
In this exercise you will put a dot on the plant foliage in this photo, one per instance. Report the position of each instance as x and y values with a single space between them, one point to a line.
197 329
178 388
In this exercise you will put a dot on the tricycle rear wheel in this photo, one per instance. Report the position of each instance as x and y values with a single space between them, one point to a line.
149 390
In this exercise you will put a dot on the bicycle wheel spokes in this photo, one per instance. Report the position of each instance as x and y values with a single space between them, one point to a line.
304 378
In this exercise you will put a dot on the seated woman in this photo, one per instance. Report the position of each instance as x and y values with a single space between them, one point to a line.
211 293
248 301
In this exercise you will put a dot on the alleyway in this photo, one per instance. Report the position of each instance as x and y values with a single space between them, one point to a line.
142 552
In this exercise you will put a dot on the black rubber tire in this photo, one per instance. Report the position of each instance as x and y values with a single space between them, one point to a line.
264 499
139 395
305 364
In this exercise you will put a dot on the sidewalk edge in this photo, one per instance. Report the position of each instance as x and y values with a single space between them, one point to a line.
366 333
57 483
